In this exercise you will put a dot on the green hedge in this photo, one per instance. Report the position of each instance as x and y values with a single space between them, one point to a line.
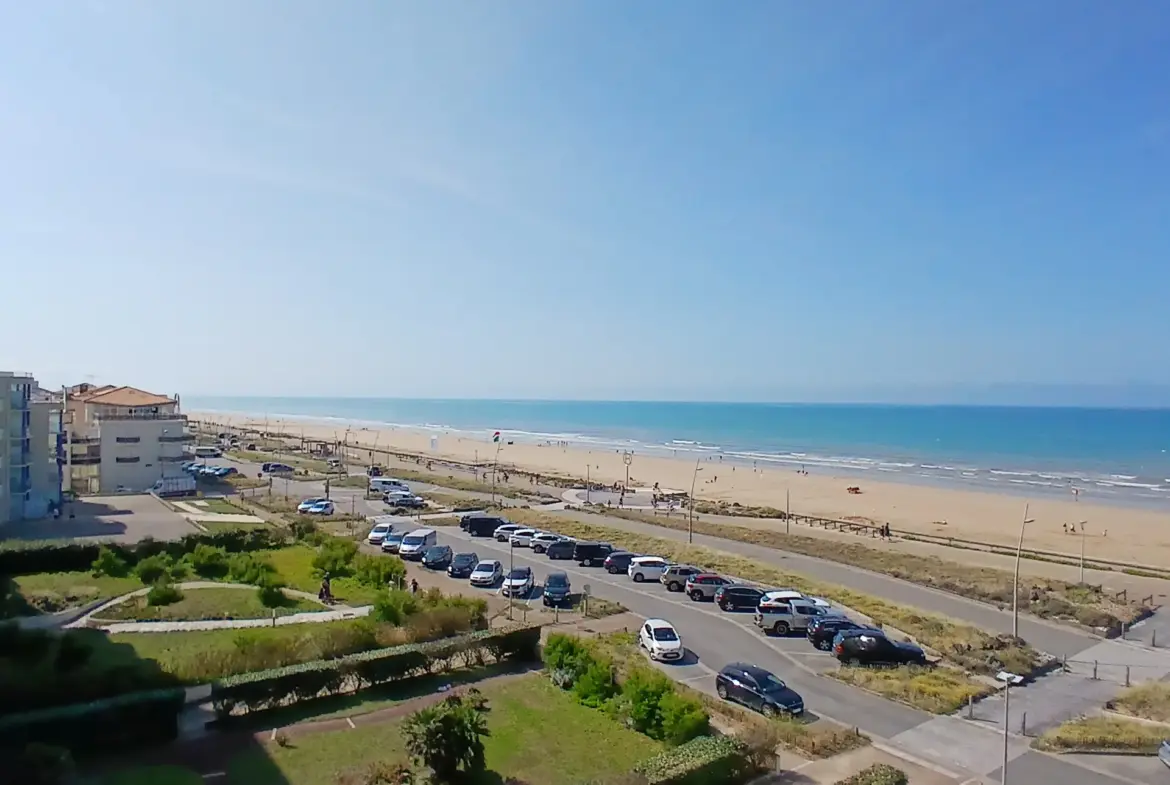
28 558
116 723
877 774
700 761
278 687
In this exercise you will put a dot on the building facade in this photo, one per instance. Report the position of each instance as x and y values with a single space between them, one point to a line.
122 439
30 461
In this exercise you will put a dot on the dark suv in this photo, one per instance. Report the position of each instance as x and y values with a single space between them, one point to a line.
872 647
704 586
738 598
757 689
823 629
561 549
618 562
591 554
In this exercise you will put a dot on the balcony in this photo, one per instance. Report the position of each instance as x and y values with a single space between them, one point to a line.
128 439
186 437
115 416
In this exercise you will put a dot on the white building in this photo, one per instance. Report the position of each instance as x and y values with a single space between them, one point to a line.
30 449
122 438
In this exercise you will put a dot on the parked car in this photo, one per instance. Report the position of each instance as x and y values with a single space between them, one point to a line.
872 647
756 688
409 501
562 549
557 590
392 542
775 597
416 543
462 564
704 585
502 533
518 583
322 508
481 525
374 471
591 554
823 629
1164 752
378 533
644 568
521 538
737 597
278 468
542 540
618 562
661 640
487 573
782 619
437 557
675 577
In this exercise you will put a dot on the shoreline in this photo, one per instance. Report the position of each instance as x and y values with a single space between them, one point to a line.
1111 531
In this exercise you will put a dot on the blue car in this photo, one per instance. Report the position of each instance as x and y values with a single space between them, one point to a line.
308 504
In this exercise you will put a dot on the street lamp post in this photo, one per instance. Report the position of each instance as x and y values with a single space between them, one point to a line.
1016 581
511 566
627 459
588 484
1081 524
691 520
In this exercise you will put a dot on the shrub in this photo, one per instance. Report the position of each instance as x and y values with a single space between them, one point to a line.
334 558
270 591
877 774
596 684
153 569
250 568
643 691
567 653
378 572
114 723
163 593
111 563
683 718
395 606
704 760
209 561
448 737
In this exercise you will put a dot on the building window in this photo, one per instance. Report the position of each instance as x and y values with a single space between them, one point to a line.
128 459
128 439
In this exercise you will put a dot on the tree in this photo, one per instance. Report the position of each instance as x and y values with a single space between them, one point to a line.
335 558
109 562
449 736
152 569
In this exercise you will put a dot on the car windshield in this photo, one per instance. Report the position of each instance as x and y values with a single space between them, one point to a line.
665 634
519 574
381 528
437 551
485 567
412 540
465 558
556 581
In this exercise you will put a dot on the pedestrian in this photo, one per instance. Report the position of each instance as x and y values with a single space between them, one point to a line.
414 586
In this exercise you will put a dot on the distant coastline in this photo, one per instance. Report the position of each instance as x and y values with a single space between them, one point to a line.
1113 456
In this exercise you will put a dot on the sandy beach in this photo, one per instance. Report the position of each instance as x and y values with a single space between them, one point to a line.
1117 533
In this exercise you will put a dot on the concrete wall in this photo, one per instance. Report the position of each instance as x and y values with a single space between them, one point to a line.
46 483
131 450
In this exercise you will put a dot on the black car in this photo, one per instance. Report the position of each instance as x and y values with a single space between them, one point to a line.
557 589
872 647
462 564
618 562
738 598
591 554
560 550
823 629
437 557
757 689
480 525
374 471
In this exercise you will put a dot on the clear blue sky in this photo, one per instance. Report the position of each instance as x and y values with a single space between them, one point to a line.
580 199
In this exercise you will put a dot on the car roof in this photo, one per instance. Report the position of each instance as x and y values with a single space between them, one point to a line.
467 553
746 667
659 623
522 568
421 532
647 558
489 563
743 586
557 574
706 575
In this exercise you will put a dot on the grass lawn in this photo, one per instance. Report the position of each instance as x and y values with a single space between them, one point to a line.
295 565
538 734
1149 701
937 690
56 591
198 604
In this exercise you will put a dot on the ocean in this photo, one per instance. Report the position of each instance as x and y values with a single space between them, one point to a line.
1117 456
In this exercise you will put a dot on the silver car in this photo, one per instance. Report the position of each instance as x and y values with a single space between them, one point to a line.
487 573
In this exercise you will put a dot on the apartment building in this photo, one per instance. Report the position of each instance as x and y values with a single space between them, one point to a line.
122 439
32 441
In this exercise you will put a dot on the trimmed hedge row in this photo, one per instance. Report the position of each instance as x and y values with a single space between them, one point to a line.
262 690
33 557
121 722
700 761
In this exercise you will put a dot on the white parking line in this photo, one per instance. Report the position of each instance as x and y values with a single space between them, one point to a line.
349 722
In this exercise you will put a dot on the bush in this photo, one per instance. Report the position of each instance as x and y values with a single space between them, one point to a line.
568 654
877 774
704 760
334 558
110 563
379 572
395 607
153 569
120 722
448 737
163 593
209 561
262 690
596 684
683 718
250 568
270 591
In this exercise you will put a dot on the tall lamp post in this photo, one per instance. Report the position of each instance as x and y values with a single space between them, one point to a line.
691 520
1016 582
627 459
1081 525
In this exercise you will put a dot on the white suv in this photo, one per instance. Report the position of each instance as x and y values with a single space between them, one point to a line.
522 538
647 568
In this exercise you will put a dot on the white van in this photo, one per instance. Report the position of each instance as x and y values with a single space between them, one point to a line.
385 484
414 544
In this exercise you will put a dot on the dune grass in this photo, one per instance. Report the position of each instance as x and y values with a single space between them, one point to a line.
1054 599
962 645
1150 701
936 690
1100 734
208 603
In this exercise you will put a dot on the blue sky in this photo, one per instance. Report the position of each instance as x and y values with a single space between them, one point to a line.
586 199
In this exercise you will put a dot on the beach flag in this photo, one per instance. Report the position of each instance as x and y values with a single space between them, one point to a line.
496 437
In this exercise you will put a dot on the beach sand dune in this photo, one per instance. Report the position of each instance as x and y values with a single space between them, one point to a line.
1115 533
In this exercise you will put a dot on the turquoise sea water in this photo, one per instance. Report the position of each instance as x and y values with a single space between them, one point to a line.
1112 455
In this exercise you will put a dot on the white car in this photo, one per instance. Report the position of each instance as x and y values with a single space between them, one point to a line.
542 540
522 538
518 583
779 598
308 504
661 641
378 533
647 568
502 533
486 573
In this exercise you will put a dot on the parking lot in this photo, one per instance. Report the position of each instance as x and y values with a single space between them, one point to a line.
127 518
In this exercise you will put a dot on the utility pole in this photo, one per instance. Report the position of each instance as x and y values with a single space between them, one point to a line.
588 484
787 512
1016 580
691 520
511 566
